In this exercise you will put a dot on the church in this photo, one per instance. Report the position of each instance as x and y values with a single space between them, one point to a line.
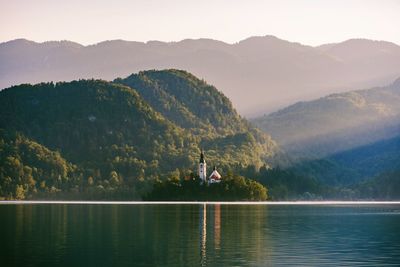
214 177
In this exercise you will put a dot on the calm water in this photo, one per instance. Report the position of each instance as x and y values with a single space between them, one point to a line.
199 235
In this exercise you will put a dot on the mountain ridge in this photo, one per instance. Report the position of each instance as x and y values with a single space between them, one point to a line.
336 121
354 167
259 74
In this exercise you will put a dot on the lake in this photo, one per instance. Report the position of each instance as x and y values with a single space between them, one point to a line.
199 235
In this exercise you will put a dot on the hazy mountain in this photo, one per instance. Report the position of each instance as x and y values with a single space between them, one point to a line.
385 186
259 74
107 134
354 165
337 122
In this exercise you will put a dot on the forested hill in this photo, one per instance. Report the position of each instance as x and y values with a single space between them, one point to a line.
204 112
343 139
82 118
337 122
110 137
187 101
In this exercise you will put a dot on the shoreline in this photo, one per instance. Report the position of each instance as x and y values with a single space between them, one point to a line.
344 203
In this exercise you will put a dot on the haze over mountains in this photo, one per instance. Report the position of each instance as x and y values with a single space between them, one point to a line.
337 122
259 74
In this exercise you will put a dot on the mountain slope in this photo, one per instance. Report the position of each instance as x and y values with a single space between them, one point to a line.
354 165
385 186
204 112
67 116
28 168
187 101
116 139
335 123
259 74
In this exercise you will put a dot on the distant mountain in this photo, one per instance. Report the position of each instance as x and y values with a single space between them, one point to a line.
385 186
337 122
259 74
354 165
115 138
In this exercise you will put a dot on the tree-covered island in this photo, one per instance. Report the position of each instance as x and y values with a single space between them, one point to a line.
203 187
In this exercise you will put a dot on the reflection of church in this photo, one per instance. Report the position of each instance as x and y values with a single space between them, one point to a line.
214 177
214 231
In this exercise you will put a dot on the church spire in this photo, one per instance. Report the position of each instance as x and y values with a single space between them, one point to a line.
202 157
202 168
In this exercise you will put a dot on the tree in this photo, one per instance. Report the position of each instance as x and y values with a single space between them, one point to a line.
19 192
90 181
114 179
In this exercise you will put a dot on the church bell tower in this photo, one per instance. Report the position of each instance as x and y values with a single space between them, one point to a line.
202 168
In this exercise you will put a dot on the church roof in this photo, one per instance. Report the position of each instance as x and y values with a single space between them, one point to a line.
215 175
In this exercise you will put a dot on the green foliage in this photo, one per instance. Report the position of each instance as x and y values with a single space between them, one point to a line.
385 186
285 184
336 122
206 114
28 168
187 101
355 165
231 188
92 139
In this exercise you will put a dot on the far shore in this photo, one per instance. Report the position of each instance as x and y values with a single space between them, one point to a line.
30 202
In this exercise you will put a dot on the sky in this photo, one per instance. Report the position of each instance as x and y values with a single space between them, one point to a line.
311 22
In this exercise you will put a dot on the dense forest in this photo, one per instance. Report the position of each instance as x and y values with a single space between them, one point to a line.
92 139
231 188
140 137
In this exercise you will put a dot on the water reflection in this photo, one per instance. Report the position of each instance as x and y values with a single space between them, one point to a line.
203 234
217 226
192 235
214 230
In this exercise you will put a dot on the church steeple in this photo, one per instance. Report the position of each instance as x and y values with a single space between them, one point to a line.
202 157
202 168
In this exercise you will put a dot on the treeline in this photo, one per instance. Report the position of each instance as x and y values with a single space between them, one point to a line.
29 170
284 184
287 184
231 188
385 186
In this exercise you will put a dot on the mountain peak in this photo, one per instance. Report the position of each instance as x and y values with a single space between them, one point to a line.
62 43
174 93
117 43
18 42
50 44
363 45
262 39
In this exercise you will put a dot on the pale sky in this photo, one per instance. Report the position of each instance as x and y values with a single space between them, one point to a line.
310 22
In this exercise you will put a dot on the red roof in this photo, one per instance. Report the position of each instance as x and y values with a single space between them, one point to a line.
215 175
